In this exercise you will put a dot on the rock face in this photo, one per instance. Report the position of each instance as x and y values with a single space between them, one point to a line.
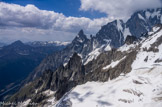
67 77
61 81
111 32
141 22
130 40
113 35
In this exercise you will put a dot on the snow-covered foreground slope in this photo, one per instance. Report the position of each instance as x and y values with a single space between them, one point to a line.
140 88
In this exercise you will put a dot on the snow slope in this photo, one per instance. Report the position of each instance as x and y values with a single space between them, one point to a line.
140 88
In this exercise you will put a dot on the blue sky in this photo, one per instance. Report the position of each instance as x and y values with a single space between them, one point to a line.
61 20
67 7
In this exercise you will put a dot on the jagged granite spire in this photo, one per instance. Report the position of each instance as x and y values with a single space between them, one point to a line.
81 32
130 39
81 37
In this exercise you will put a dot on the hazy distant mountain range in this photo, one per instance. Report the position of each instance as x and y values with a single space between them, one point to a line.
17 60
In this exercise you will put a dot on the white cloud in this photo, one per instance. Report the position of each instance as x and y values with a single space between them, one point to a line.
30 16
13 16
15 19
118 8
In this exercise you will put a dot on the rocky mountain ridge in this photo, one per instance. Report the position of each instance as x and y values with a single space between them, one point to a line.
112 35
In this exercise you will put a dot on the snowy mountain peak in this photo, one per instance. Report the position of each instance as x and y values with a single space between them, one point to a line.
47 43
144 21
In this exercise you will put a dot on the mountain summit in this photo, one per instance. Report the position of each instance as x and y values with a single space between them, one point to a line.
81 37
81 34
